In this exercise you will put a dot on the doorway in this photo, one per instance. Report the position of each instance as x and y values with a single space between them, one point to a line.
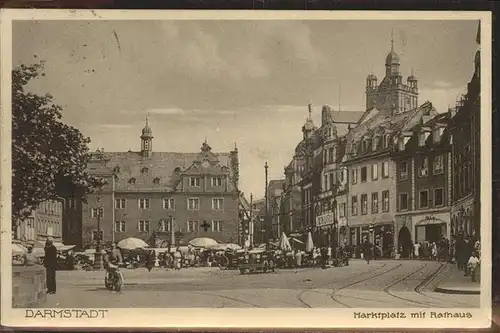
405 243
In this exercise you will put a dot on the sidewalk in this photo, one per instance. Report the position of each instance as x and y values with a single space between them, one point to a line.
456 283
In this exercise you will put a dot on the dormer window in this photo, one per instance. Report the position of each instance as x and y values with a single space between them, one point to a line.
156 180
364 146
421 139
144 170
132 180
437 134
386 141
116 169
401 144
374 143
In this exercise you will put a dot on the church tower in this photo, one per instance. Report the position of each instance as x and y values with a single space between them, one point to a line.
146 141
392 95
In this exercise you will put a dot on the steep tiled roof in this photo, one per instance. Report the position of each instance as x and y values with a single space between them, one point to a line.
346 117
383 122
159 172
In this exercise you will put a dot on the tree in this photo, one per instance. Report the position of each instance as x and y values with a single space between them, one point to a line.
48 157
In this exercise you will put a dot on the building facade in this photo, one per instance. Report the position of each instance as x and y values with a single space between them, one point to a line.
154 195
423 178
43 222
466 166
275 189
392 110
330 219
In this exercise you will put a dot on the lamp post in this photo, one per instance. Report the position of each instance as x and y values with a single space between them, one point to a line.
97 255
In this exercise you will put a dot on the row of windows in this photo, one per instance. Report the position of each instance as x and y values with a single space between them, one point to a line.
193 181
374 172
385 140
166 226
374 203
50 207
424 200
46 227
423 167
167 203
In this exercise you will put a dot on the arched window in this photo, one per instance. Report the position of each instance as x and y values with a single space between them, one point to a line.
132 180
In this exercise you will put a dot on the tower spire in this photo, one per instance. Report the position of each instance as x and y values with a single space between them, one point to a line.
340 95
392 40
310 111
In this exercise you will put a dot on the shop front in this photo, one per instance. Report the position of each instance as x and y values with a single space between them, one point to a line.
326 230
432 227
429 226
380 234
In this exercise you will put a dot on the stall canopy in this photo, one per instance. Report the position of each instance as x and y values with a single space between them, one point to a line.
18 249
59 246
224 247
132 244
309 242
203 242
284 243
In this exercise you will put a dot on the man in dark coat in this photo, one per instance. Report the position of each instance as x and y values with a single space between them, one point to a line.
367 251
50 263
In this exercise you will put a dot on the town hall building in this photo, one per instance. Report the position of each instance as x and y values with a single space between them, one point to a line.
161 197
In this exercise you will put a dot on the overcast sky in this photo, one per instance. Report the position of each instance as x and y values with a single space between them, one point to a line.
231 81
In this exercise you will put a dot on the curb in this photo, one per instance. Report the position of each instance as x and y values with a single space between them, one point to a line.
457 291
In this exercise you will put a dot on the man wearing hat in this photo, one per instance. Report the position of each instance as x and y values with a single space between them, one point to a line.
50 263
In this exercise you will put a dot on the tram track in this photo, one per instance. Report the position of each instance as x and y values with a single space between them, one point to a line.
333 293
419 289
331 283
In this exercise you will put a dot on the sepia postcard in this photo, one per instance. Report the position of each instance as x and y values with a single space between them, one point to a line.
207 169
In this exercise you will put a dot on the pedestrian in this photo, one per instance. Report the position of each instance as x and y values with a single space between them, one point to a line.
472 265
298 258
50 264
416 250
367 251
434 251
29 257
149 260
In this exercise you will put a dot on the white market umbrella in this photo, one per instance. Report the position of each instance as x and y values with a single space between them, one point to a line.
232 246
284 243
132 244
203 242
224 247
309 242
18 249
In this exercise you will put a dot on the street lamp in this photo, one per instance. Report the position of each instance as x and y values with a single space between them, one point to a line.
97 255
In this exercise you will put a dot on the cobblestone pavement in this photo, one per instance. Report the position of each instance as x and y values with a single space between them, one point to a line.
381 284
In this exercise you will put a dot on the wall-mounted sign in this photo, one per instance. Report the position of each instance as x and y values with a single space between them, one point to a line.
325 219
